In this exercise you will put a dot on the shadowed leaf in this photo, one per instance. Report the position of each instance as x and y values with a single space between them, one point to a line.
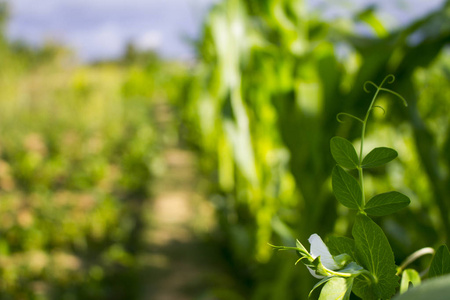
386 203
440 264
346 188
374 253
344 153
341 244
378 157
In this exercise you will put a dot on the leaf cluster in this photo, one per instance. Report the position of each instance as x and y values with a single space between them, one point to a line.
348 190
376 276
370 247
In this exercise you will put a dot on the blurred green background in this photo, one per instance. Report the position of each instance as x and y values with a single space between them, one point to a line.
84 148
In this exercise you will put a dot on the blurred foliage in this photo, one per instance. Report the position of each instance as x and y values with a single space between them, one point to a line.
262 106
78 147
77 154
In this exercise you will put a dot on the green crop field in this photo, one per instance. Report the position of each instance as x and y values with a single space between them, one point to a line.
83 148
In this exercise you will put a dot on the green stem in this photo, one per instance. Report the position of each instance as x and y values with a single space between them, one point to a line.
413 257
363 132
379 88
361 183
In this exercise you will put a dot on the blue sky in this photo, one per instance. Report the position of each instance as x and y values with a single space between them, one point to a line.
100 28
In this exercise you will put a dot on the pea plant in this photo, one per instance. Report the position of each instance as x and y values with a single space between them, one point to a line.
364 265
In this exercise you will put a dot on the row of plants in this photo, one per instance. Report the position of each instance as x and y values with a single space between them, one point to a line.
78 152
261 108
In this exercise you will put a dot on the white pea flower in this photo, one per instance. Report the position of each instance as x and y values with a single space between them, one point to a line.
321 264
319 261
318 248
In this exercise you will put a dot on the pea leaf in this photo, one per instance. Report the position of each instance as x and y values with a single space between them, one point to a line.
346 189
337 288
409 276
341 244
440 264
374 253
379 156
344 153
323 281
363 289
437 288
386 203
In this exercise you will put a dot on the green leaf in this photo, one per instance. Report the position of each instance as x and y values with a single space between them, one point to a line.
378 157
300 246
363 288
386 203
370 17
409 276
324 280
437 288
374 254
337 288
440 264
344 153
346 189
341 244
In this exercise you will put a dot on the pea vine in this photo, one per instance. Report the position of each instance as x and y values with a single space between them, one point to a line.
363 265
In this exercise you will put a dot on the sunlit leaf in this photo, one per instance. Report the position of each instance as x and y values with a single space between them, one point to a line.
368 16
324 280
378 157
346 188
409 276
386 203
344 153
337 288
433 289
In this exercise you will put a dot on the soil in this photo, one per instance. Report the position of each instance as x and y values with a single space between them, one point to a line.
178 261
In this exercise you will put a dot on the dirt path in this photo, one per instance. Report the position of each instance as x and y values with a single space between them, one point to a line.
179 264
